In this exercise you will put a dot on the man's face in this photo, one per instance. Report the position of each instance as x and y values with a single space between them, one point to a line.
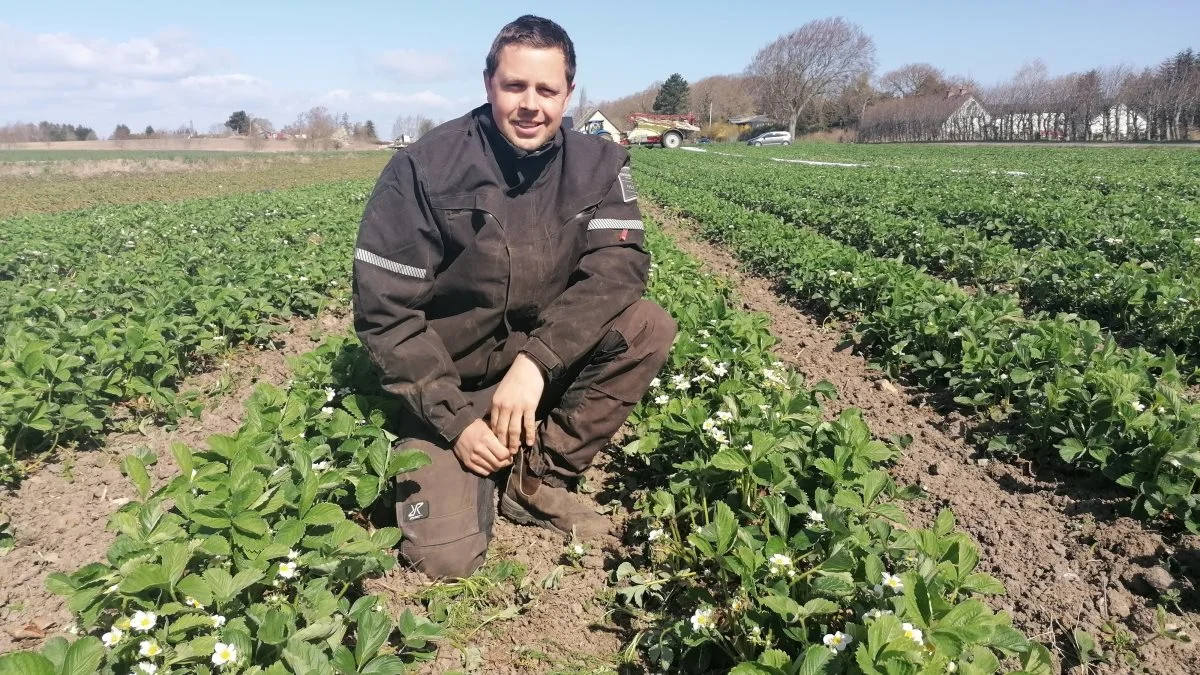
528 93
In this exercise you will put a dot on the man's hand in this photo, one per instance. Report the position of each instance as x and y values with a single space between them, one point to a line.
515 402
479 450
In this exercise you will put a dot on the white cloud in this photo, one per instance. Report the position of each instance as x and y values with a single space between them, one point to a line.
161 80
422 98
409 64
335 96
166 56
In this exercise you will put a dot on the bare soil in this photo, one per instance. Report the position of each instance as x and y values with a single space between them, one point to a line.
91 168
1067 562
522 627
59 513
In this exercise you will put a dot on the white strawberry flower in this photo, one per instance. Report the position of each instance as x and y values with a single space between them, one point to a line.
703 377
327 411
662 399
223 654
655 383
191 602
815 517
293 554
719 436
709 424
287 570
143 621
112 637
147 668
893 582
703 333
654 534
913 633
748 447
952 667
876 613
680 382
724 415
721 369
837 641
320 467
703 619
329 394
1139 406
779 563
149 648
217 620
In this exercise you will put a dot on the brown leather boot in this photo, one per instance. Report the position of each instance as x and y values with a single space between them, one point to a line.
530 501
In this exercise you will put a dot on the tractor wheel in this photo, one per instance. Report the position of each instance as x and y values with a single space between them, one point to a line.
605 135
672 139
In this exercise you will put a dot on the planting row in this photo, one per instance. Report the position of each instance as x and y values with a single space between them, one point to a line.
117 304
1047 210
1043 382
773 543
1156 308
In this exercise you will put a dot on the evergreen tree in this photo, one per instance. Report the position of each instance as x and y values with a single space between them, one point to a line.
672 98
239 122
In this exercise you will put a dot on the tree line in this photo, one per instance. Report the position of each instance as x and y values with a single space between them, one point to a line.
316 128
823 75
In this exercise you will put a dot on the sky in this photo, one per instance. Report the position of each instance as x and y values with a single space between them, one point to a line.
171 64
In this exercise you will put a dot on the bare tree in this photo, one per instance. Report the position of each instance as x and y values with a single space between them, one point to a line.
812 63
407 125
581 105
723 96
313 129
914 79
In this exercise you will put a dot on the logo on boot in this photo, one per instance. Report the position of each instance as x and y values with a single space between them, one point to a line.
417 511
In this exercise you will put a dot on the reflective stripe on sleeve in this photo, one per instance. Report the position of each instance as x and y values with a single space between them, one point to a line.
380 261
614 224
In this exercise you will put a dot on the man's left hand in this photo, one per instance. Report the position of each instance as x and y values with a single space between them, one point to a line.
515 403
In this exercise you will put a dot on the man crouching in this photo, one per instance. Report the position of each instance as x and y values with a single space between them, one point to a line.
498 282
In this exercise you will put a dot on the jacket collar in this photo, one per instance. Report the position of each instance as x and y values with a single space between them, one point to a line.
520 168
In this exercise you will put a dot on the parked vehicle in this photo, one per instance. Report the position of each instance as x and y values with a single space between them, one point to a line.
401 141
771 138
596 128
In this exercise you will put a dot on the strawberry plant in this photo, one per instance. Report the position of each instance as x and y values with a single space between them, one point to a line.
249 559
1062 383
773 543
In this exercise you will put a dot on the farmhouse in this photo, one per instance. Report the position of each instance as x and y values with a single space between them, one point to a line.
748 122
957 116
1119 123
595 119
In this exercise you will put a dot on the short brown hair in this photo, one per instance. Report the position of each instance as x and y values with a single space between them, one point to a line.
532 31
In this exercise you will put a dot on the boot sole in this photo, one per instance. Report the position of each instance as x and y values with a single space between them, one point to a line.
510 509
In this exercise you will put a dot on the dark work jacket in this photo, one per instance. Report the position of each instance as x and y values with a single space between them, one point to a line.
472 251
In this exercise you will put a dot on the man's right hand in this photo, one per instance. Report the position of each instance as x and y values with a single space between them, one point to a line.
480 451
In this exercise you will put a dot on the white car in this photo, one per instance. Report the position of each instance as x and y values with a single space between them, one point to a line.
771 138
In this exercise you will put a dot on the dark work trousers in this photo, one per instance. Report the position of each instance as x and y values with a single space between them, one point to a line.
446 512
